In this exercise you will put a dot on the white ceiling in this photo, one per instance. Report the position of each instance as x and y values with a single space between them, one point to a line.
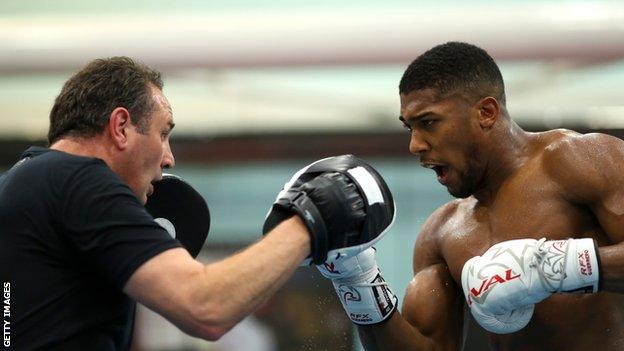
245 66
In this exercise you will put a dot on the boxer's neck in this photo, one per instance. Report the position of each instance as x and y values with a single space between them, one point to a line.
509 148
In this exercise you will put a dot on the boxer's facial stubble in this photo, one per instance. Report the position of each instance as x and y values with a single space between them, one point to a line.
458 144
447 134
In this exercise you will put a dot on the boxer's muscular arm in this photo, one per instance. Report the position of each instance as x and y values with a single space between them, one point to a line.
591 170
431 318
432 314
206 301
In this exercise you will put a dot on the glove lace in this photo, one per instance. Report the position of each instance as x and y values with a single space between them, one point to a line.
369 285
372 284
540 259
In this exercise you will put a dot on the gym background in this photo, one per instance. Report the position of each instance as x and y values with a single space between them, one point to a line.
261 88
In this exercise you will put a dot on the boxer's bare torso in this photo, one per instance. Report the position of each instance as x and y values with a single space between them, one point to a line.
531 203
512 185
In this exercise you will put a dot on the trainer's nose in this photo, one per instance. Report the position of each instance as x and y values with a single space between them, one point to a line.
168 161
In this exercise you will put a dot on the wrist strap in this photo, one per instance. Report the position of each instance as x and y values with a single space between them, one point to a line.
298 202
365 302
582 268
568 265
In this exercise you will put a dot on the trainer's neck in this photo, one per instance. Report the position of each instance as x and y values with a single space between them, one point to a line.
87 147
509 149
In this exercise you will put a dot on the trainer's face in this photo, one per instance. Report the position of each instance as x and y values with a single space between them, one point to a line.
149 152
444 134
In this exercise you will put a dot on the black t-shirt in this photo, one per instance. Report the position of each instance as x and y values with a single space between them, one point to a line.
71 235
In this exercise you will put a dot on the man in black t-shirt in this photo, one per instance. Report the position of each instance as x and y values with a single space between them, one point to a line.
78 248
105 229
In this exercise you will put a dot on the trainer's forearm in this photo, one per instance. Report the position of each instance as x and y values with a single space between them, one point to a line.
236 286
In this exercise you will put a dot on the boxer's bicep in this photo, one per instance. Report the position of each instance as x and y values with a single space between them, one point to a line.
608 207
431 318
590 170
433 301
164 284
608 186
433 305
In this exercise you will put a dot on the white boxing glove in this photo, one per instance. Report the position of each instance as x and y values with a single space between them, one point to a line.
363 292
502 286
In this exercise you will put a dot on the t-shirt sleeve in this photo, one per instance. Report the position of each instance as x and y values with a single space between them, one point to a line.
108 226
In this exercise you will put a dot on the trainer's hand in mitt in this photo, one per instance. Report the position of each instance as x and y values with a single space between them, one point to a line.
343 201
181 210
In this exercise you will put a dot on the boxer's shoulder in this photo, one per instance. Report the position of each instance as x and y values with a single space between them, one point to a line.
436 227
551 147
564 148
438 222
583 164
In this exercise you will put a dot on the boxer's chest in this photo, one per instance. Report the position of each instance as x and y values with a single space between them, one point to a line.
525 208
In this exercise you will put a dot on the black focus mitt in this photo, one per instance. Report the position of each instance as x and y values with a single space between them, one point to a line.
345 204
181 210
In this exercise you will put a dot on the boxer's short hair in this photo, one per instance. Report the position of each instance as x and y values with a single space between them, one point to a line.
455 67
85 103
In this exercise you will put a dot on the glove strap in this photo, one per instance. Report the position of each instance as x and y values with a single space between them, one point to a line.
299 202
582 267
366 302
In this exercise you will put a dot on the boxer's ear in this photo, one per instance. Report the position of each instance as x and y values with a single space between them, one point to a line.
181 210
488 111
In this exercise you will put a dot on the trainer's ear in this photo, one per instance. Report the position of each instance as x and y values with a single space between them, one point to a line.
489 111
118 125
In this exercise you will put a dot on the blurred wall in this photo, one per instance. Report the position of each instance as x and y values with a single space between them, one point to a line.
261 88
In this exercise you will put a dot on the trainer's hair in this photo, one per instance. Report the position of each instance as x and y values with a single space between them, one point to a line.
85 103
455 67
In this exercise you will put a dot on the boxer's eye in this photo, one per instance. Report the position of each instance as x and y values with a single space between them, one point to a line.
427 122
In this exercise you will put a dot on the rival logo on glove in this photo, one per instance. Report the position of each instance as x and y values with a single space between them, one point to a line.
488 282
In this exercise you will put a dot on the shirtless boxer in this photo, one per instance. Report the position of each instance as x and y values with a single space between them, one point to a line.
509 184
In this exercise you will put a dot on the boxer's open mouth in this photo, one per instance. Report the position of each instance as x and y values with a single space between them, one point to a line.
441 171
